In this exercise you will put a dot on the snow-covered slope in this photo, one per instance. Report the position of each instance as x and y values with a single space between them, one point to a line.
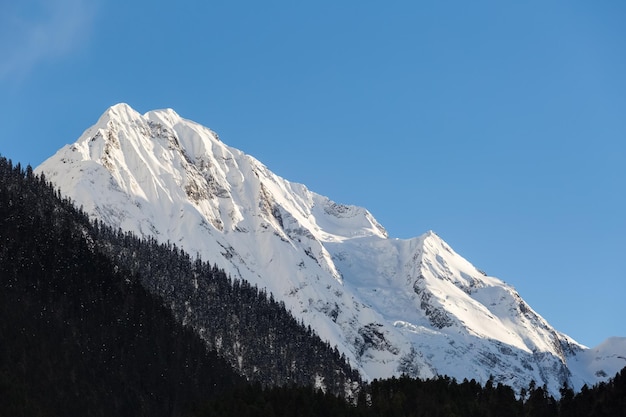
391 306
599 363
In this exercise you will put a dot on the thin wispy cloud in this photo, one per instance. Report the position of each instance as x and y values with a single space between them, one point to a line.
35 31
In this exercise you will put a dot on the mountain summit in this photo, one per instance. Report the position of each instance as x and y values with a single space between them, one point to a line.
390 306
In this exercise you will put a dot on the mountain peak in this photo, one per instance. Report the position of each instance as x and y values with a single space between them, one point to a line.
121 112
431 236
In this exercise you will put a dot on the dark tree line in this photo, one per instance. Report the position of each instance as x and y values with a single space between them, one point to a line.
408 397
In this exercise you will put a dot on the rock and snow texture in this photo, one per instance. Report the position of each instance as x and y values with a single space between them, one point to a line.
391 306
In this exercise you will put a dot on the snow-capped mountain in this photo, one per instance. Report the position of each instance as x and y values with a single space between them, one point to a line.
391 306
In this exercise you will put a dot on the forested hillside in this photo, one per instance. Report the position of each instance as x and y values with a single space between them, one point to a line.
255 333
79 335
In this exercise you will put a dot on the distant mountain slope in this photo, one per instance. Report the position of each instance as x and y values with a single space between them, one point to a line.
391 306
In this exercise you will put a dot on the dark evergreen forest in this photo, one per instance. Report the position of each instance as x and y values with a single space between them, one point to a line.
78 335
97 322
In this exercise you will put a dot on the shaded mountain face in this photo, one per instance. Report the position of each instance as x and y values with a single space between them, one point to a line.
390 306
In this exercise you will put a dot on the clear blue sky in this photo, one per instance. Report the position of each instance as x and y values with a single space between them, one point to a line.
499 125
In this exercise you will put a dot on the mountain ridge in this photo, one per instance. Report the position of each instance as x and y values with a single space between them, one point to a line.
392 306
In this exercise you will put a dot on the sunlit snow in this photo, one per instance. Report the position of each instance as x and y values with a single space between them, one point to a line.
391 306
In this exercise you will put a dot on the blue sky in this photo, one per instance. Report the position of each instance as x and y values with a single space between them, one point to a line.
499 125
